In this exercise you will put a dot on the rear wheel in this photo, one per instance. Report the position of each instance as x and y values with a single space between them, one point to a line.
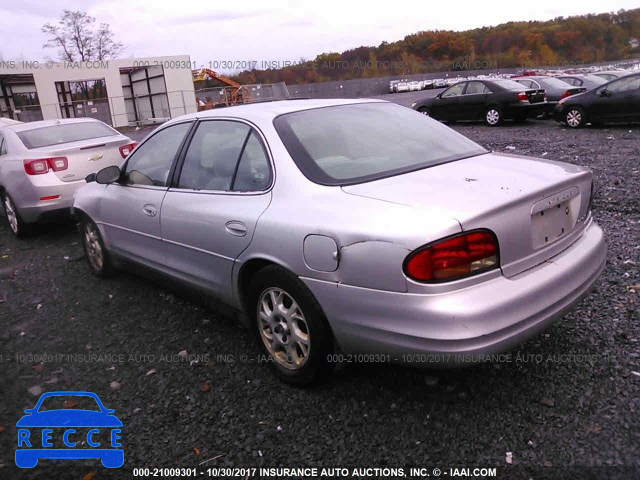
291 326
19 227
493 116
97 255
574 117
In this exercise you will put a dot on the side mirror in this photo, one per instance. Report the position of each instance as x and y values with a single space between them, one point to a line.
439 95
605 93
90 178
108 175
29 411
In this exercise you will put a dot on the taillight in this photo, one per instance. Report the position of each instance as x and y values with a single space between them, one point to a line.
566 94
125 150
454 257
522 97
42 165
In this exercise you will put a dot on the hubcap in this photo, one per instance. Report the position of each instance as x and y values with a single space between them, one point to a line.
283 328
94 249
493 117
12 216
574 117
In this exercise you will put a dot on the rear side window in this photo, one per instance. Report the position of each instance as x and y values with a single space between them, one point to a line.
64 133
223 156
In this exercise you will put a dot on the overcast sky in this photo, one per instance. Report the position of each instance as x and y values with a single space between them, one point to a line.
273 30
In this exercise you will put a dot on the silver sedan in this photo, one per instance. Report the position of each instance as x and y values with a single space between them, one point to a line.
359 228
43 163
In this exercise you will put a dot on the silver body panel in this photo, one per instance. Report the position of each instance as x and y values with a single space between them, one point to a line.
347 244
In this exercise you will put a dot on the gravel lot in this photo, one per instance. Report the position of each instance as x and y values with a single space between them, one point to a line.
569 397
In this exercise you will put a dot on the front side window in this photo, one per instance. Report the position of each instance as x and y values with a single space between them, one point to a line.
625 84
347 144
151 163
453 91
3 146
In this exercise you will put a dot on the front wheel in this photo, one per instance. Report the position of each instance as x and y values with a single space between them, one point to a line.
291 327
493 116
97 255
18 227
574 117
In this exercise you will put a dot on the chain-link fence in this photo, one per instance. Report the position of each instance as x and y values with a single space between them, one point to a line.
115 111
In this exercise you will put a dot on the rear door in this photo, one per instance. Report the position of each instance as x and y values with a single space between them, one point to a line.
209 216
130 209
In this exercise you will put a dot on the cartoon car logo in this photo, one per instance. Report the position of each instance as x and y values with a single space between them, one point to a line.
83 433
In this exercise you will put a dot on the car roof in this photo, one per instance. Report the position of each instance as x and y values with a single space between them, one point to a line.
21 127
270 110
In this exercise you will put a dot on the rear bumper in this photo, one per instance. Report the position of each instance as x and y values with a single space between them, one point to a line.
33 209
464 325
526 110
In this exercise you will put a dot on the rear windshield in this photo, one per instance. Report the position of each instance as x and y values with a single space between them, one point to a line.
64 133
347 144
510 85
553 82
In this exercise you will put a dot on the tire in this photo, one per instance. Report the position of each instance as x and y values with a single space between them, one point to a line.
424 111
97 255
17 225
574 117
493 116
303 361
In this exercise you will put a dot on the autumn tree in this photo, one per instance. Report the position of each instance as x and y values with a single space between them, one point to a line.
78 39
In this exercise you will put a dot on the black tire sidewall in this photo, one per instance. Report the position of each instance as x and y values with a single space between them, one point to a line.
318 365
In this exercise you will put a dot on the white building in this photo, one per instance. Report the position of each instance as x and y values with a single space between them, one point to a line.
121 92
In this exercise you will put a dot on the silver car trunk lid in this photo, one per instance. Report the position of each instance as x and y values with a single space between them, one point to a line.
535 207
84 157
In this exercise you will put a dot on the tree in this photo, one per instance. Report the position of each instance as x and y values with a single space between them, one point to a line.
78 39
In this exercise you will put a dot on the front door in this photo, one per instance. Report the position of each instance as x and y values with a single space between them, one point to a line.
130 209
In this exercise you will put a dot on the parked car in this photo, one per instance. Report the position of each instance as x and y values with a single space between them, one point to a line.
43 163
554 88
490 100
615 101
439 83
268 207
609 75
403 87
586 80
415 86
427 84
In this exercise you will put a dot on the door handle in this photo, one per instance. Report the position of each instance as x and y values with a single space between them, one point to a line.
235 228
150 210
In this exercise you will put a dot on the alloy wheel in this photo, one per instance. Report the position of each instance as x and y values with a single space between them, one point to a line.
493 116
574 118
283 328
12 215
95 255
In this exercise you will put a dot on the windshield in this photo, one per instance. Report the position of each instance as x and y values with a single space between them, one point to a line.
349 144
64 133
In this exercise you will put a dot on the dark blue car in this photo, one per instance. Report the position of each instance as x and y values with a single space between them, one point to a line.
65 421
